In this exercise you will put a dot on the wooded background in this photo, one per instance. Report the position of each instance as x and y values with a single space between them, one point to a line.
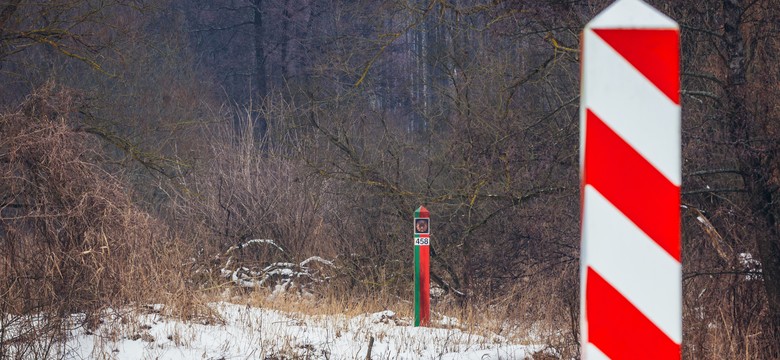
141 140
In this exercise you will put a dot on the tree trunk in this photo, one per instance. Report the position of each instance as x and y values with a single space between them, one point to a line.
259 126
260 78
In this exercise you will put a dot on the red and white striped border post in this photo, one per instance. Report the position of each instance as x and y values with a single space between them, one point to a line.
631 290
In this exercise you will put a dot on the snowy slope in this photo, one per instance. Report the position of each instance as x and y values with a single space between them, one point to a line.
242 332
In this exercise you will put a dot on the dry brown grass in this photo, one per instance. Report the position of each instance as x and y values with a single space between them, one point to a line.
73 241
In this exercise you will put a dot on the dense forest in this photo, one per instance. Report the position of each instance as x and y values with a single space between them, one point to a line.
143 144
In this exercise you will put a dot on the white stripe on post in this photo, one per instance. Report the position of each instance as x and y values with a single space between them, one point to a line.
652 284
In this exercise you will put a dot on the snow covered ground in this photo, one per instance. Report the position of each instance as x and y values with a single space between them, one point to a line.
242 332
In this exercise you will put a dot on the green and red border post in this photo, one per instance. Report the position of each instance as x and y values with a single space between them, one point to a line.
422 277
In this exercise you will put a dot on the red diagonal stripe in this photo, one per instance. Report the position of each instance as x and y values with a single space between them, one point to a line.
632 184
619 329
654 52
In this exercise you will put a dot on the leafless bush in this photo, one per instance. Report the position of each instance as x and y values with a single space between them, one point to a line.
724 308
72 240
249 187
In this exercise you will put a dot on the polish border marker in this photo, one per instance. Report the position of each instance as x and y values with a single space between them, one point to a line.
631 289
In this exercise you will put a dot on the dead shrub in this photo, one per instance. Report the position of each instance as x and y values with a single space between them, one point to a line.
251 205
71 239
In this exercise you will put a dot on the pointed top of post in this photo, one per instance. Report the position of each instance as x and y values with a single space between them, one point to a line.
631 14
422 212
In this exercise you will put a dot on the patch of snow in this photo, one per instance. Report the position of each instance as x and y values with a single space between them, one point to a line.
384 317
437 292
751 265
280 273
278 265
261 241
448 321
156 308
318 259
254 333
